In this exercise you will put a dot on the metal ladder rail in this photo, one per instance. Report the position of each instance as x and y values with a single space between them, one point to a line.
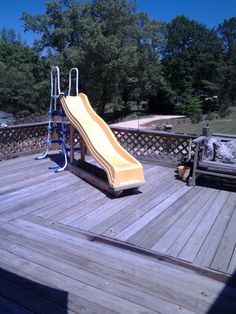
76 92
76 81
63 133
55 94
54 111
55 84
63 116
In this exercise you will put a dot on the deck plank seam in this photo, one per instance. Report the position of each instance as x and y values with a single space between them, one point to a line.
210 273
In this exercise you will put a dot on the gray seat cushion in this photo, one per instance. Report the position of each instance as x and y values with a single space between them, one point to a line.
225 151
219 150
209 148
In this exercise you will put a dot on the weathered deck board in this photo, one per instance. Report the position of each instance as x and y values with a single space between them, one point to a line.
168 199
68 200
226 247
100 213
110 275
178 228
181 242
28 199
210 245
202 229
50 226
121 211
150 234
231 268
166 216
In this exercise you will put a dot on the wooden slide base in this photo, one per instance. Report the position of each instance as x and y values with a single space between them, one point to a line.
97 177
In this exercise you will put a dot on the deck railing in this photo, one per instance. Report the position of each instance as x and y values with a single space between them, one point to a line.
150 146
21 139
166 148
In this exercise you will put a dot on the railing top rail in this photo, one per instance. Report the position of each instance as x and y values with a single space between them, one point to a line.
154 132
120 129
25 125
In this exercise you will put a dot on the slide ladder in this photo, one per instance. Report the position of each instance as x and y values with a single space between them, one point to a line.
57 123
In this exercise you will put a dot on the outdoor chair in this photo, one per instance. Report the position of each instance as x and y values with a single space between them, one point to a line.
214 155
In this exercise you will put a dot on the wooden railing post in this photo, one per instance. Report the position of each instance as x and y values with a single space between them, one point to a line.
72 144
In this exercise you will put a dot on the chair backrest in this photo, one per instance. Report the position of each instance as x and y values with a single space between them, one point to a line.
220 148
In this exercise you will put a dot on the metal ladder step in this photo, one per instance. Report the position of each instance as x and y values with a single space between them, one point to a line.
56 113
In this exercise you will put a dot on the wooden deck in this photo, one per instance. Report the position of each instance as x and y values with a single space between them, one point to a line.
72 249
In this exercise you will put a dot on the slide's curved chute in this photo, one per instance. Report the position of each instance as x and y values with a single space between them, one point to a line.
123 170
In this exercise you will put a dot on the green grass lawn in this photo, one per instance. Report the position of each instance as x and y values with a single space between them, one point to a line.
226 125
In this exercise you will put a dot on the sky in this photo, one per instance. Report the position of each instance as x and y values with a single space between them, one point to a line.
208 12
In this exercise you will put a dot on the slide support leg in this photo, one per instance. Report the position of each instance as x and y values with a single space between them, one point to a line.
82 149
72 144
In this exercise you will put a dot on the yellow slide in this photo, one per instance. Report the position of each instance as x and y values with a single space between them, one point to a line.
123 170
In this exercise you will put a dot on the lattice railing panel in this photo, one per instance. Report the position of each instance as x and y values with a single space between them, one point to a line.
19 139
150 146
16 140
154 145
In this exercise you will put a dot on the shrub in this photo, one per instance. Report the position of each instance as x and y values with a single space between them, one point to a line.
224 110
191 107
196 117
212 116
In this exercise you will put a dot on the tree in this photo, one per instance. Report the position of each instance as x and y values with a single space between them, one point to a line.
22 76
10 36
148 70
227 32
95 36
192 57
117 57
109 49
191 107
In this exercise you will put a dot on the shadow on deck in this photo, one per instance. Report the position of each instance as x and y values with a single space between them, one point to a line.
21 295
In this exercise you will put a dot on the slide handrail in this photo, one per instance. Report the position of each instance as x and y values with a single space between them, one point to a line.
76 81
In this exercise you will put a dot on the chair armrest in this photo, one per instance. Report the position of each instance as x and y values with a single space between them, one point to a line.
199 148
228 136
197 155
199 139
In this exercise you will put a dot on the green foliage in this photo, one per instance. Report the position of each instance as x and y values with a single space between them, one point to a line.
122 56
227 33
192 57
191 107
149 42
9 36
116 50
212 116
224 107
21 76
224 110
